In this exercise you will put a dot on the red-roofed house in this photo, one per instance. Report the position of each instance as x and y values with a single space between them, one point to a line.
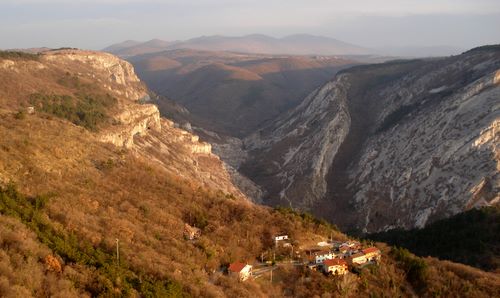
372 253
240 270
335 266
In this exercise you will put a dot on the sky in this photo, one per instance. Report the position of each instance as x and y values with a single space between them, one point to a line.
95 24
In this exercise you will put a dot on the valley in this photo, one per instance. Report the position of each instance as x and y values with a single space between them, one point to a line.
231 93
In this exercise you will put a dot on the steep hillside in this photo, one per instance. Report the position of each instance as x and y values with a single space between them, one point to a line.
417 137
224 90
71 195
471 238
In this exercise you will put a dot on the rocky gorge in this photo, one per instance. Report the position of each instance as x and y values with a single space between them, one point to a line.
417 137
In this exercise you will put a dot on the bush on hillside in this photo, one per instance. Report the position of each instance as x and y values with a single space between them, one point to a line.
16 55
87 110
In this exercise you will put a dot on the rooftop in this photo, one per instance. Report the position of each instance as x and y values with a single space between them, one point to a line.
370 250
334 262
236 267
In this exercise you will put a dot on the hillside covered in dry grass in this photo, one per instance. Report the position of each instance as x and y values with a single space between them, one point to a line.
69 190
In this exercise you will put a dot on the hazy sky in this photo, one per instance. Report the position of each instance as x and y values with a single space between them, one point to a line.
95 24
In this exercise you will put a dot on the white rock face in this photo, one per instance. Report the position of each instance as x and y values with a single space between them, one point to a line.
414 141
134 120
302 145
435 164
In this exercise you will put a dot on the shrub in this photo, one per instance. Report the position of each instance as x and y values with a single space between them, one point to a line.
87 110
16 55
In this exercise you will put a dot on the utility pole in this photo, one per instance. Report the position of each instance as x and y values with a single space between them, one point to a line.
272 275
117 252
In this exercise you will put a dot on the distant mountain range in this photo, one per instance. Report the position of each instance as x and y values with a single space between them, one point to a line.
300 44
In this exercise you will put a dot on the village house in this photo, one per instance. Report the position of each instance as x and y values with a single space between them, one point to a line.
357 259
283 238
241 271
323 255
335 266
372 254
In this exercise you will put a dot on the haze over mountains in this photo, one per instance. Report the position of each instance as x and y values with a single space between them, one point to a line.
300 44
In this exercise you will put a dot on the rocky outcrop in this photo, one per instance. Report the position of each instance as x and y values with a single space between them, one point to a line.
183 154
301 150
115 74
441 160
134 120
232 153
419 138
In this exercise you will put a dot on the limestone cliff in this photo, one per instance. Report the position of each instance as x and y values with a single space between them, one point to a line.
134 120
419 138
115 74
301 150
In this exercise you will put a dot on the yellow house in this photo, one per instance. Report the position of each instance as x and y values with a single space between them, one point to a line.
372 254
335 266
358 259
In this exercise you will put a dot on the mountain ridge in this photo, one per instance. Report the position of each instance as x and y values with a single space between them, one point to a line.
298 44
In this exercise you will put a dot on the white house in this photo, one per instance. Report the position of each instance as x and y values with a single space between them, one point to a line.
281 237
241 271
321 256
